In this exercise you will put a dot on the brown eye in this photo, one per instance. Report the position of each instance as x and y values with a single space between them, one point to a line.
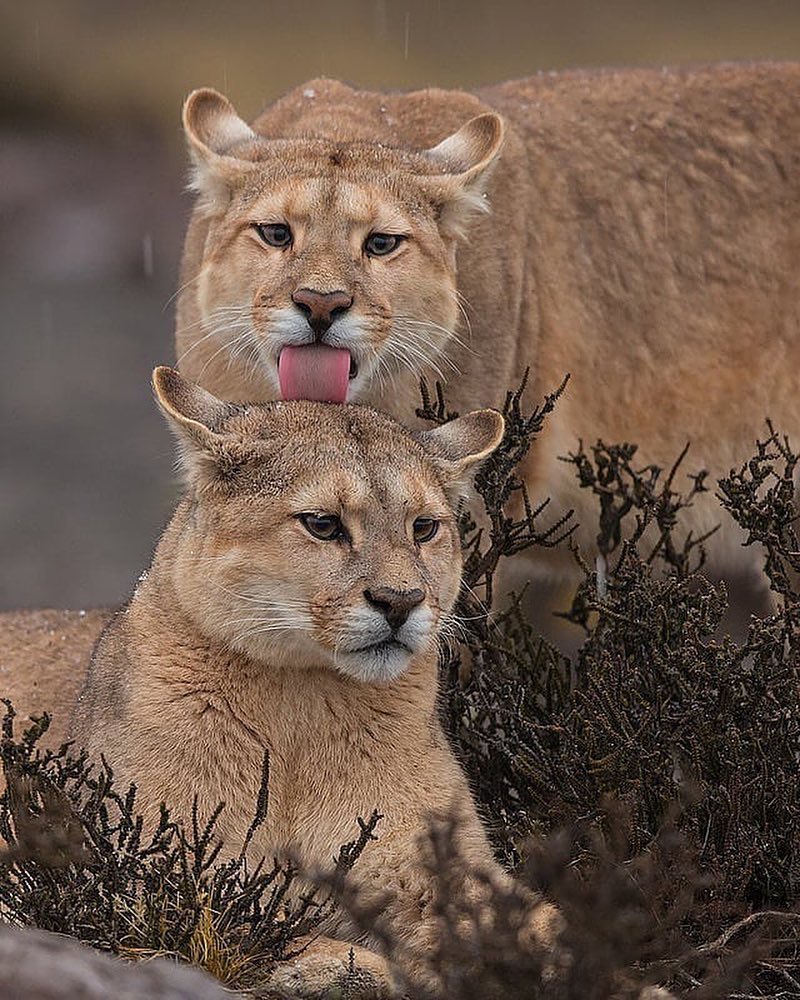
274 234
424 529
326 527
381 244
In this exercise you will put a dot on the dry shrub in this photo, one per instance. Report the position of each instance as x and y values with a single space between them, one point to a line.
691 736
80 862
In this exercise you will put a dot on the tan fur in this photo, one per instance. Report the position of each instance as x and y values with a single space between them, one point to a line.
236 642
43 660
644 236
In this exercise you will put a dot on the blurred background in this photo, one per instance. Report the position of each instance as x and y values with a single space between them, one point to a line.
92 212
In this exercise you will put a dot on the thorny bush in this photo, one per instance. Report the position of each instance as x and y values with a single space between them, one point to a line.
691 736
79 861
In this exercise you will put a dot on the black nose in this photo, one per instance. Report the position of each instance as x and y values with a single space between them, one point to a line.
321 308
395 605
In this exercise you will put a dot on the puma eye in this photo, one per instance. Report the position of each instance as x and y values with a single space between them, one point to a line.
327 527
274 234
425 528
381 244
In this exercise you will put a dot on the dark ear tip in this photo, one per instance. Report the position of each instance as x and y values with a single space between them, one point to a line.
492 129
168 384
164 378
197 98
493 425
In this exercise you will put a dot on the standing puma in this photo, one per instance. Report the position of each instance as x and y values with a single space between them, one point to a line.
644 235
294 605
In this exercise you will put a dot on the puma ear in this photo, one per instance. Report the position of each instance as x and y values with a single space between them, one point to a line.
465 158
196 418
213 130
467 153
459 446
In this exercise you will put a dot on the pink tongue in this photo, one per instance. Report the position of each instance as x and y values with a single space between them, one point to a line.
315 372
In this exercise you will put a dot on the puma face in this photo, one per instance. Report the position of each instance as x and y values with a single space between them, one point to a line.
318 535
328 268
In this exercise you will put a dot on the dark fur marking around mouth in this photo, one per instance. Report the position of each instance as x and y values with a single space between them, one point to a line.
380 646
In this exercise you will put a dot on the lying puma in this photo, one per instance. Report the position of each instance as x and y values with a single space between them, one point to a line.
295 604
644 236
43 660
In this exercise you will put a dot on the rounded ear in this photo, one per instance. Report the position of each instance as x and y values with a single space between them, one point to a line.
459 446
470 151
195 417
465 158
212 124
213 129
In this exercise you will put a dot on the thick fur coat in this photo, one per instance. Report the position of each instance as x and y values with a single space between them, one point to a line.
643 235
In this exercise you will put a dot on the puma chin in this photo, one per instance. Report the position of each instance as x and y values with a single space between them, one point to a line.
371 650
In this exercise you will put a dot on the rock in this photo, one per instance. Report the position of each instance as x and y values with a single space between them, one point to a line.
37 965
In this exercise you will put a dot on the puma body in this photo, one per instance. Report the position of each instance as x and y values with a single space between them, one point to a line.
44 656
643 235
294 607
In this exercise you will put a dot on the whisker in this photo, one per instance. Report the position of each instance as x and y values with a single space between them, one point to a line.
224 326
463 305
251 597
414 352
449 335
261 625
413 326
219 313
226 346
222 320
212 333
397 356
174 296
255 363
250 633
